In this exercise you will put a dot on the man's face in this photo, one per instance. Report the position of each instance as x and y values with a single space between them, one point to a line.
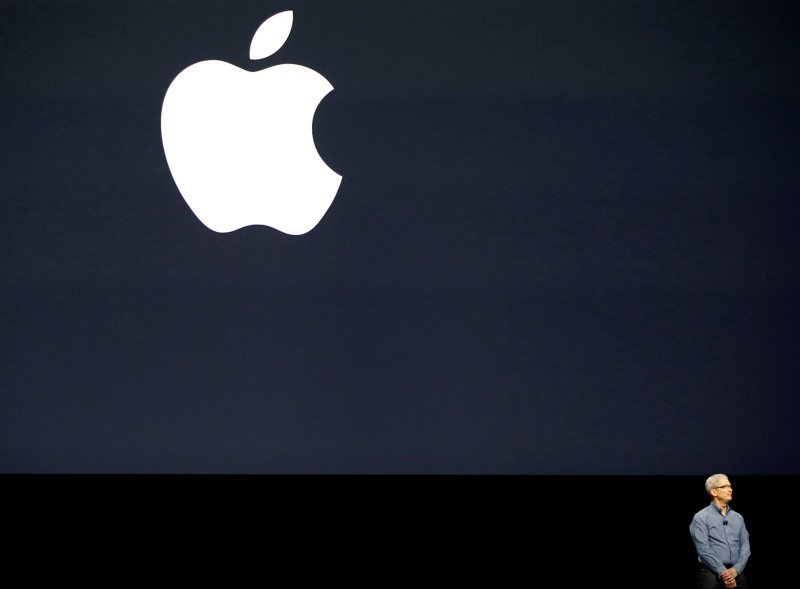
723 490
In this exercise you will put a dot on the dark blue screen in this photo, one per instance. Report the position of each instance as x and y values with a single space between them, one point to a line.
564 243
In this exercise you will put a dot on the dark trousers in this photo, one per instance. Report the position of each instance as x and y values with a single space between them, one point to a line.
708 579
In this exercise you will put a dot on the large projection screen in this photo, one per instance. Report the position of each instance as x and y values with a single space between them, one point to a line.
563 239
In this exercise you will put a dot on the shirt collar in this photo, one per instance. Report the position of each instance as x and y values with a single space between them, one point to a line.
719 510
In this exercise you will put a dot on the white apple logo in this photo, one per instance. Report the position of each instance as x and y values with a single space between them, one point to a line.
240 145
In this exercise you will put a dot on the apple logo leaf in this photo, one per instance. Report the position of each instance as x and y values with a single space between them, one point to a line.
271 35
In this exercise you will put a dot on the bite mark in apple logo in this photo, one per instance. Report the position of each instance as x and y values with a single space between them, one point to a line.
240 144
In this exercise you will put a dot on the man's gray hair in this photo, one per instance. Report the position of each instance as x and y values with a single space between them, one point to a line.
714 480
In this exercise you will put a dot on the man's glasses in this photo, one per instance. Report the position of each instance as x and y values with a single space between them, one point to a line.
723 487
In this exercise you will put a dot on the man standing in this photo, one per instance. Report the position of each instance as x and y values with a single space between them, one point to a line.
720 538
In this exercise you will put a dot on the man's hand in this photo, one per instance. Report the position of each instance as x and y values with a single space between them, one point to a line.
729 577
